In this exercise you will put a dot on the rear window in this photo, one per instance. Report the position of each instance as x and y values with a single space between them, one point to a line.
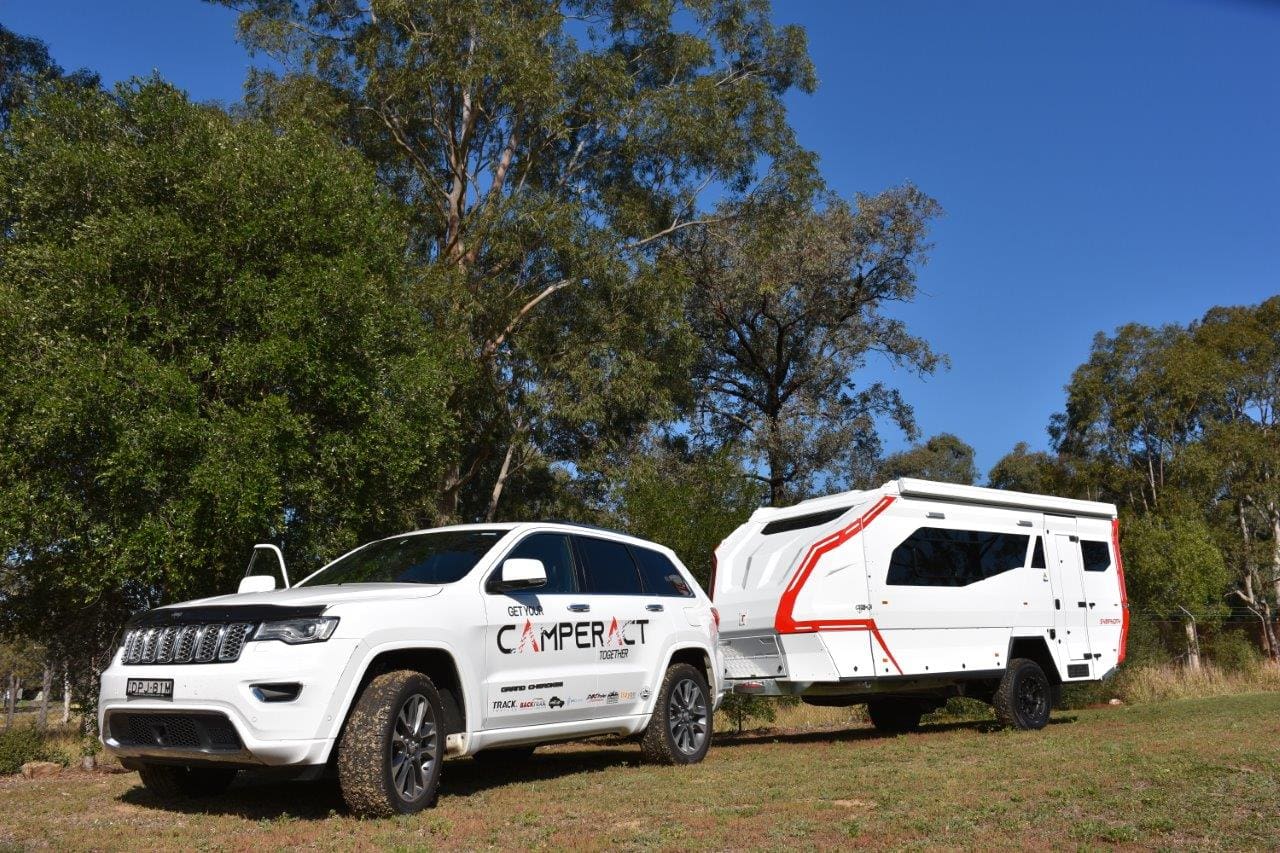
1097 556
800 522
661 577
607 567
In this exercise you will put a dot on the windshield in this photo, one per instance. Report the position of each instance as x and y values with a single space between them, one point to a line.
431 558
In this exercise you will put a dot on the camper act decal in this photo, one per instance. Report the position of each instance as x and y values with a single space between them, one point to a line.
612 638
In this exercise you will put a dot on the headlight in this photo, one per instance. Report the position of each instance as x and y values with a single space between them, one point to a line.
295 631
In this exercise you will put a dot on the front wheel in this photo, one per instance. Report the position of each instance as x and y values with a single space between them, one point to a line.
392 746
1024 698
680 729
170 782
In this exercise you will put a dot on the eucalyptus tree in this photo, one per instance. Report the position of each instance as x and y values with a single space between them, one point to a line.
944 457
789 299
207 339
547 151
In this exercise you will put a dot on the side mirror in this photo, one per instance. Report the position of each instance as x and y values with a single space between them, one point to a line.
256 583
522 573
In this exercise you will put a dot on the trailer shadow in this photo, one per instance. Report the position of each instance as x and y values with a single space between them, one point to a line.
752 738
258 797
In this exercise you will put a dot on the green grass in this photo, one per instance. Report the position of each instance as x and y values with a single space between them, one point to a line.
1199 773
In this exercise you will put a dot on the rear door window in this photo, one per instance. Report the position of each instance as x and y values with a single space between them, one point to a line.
607 567
661 577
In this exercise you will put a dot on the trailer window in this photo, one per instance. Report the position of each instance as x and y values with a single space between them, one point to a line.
1097 556
800 522
935 556
1037 558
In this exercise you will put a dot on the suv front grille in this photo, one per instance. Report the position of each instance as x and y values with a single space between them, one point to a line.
214 643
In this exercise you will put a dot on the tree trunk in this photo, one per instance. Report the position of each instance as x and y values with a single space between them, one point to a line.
66 694
46 687
503 473
1193 645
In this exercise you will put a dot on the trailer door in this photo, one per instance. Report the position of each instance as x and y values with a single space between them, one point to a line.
1071 607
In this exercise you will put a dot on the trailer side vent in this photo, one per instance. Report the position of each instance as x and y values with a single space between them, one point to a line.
1077 670
799 522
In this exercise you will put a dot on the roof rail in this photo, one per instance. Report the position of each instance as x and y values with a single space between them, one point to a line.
587 526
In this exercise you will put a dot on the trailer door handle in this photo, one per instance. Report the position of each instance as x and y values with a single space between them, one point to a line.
653 608
1080 604
579 608
1057 604
1091 603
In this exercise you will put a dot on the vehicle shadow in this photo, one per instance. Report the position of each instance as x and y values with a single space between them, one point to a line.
255 796
752 738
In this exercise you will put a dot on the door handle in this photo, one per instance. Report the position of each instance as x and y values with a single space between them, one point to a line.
580 608
1080 604
653 608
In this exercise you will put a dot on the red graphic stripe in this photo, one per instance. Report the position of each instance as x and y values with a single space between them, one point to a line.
784 622
1124 594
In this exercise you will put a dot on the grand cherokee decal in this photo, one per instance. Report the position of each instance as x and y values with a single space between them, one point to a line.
611 638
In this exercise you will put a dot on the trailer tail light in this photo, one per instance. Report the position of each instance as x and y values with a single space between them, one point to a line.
749 687
1124 595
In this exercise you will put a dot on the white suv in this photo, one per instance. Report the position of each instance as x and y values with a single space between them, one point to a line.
480 640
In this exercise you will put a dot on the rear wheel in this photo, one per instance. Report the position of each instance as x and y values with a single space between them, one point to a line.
392 746
680 729
170 782
1024 698
895 716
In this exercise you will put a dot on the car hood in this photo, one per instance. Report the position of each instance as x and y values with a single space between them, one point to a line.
322 594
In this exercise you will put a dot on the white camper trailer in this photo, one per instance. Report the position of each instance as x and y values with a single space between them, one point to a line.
903 596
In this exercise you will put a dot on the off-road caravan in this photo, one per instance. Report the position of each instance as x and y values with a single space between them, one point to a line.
902 596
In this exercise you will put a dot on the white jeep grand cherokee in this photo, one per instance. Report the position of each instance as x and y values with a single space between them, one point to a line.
480 640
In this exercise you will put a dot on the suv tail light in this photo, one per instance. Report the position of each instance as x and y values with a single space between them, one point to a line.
715 617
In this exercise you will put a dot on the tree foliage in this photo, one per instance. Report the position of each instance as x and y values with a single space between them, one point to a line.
944 457
208 337
547 151
788 302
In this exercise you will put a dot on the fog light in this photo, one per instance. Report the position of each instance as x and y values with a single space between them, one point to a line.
276 692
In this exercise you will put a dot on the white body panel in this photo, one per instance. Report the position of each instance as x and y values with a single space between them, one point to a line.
919 582
602 681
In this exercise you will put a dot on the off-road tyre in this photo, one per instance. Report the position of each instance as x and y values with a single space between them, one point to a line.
1024 698
377 742
170 782
504 755
680 730
895 716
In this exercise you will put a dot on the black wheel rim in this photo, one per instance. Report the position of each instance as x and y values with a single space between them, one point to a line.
687 716
413 747
1033 699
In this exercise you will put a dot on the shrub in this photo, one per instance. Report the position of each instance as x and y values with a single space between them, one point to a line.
1233 651
20 745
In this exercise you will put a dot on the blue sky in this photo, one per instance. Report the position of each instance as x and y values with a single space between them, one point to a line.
1099 163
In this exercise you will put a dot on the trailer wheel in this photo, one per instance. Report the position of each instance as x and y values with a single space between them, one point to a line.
680 730
895 716
171 782
392 746
1024 698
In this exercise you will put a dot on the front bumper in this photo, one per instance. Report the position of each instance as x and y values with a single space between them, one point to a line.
295 732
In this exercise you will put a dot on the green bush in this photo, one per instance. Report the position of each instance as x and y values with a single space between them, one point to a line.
20 745
1233 651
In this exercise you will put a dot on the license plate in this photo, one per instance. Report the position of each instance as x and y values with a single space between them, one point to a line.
150 688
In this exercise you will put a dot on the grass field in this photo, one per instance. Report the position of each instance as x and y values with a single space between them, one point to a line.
1201 773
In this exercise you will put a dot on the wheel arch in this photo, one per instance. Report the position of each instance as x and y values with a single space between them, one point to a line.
436 662
696 656
1035 649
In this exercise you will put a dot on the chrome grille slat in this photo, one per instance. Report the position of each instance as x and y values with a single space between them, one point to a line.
164 646
215 643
